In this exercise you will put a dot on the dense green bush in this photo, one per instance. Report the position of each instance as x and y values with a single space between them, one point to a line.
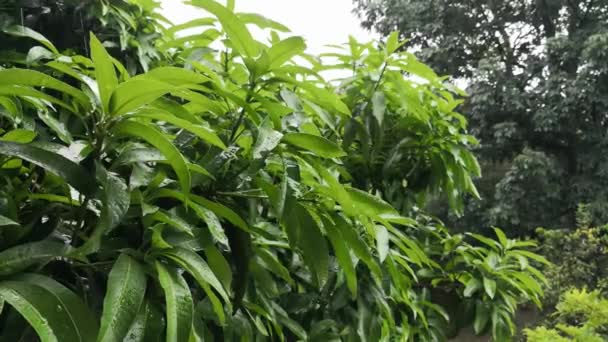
579 257
581 317
236 194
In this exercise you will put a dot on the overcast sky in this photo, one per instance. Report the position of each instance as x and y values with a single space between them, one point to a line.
320 22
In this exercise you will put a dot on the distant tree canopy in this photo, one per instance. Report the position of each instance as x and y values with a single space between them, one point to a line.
538 83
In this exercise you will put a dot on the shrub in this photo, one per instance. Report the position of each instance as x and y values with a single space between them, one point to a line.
231 195
581 316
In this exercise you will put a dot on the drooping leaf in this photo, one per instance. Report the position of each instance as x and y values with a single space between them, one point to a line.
22 91
71 172
40 308
33 78
20 257
471 287
155 138
200 131
22 31
80 316
124 295
198 268
178 301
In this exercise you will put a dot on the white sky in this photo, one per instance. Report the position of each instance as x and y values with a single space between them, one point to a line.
319 22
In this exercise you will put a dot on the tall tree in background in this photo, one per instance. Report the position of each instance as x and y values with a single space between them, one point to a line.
538 81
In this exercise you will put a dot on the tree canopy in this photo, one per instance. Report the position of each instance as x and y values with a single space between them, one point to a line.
537 76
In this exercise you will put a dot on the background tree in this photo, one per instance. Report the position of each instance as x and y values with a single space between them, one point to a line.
538 83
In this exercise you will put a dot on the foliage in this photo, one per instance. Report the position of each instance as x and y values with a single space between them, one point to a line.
234 194
537 77
578 257
582 316
129 29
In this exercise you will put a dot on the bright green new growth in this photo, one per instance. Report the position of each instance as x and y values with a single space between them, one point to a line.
232 192
588 311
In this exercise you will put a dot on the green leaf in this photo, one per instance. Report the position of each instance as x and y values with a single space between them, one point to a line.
471 287
198 268
303 232
219 209
136 92
58 127
241 39
16 90
105 73
191 24
40 308
157 139
124 295
285 50
21 136
222 211
32 78
22 31
382 242
219 265
212 222
370 205
482 316
343 255
174 221
501 237
179 306
20 257
379 106
7 222
271 262
175 76
206 134
148 326
487 241
356 244
392 43
71 172
313 143
490 286
532 256
115 201
267 139
262 22
79 315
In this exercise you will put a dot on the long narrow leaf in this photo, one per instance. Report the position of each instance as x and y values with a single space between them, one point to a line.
126 288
